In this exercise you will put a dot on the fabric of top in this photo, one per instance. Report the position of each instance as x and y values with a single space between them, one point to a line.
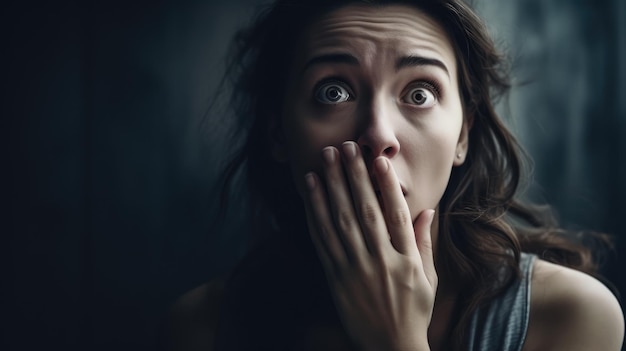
502 324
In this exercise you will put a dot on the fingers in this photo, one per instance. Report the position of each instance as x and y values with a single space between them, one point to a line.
367 208
397 213
341 205
321 228
423 238
346 216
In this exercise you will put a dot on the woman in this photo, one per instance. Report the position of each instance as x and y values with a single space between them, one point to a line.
383 191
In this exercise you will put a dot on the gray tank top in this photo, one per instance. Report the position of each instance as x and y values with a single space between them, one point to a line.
502 325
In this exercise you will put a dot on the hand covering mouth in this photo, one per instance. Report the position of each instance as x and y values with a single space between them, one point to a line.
377 188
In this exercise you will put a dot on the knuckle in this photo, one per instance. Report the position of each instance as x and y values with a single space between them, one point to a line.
399 218
426 246
345 220
368 212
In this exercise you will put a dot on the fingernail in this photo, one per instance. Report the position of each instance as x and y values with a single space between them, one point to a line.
310 180
381 165
349 150
329 155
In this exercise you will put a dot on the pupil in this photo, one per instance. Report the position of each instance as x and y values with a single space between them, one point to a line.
419 97
333 94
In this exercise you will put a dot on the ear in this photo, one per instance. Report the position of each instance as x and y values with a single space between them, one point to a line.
277 141
462 146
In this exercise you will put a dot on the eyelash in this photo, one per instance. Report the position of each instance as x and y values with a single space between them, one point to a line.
429 84
333 79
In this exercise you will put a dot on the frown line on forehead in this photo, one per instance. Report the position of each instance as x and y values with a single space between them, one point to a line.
401 62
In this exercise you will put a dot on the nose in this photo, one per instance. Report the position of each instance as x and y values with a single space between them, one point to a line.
378 135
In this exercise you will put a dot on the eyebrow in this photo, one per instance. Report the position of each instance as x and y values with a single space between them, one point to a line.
331 58
403 62
411 61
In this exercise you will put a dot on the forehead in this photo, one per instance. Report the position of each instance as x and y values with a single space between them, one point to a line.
368 32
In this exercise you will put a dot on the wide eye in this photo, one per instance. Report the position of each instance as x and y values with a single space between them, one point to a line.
333 92
422 96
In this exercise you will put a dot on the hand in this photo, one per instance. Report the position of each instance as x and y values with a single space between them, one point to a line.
379 265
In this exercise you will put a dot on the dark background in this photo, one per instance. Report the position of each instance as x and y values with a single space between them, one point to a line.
109 169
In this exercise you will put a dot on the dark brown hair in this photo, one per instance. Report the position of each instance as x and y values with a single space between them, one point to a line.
483 226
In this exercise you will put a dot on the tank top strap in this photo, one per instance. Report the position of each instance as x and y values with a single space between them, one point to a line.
502 324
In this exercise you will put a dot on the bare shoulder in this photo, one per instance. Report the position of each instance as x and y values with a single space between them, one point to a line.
571 310
193 318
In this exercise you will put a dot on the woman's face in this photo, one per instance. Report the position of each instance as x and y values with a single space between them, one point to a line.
386 78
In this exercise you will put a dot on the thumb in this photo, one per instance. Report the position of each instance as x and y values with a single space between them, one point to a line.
423 239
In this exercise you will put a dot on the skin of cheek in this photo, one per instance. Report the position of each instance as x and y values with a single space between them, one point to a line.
431 169
422 175
426 171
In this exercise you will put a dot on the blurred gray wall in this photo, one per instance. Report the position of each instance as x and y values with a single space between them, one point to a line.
110 168
568 105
